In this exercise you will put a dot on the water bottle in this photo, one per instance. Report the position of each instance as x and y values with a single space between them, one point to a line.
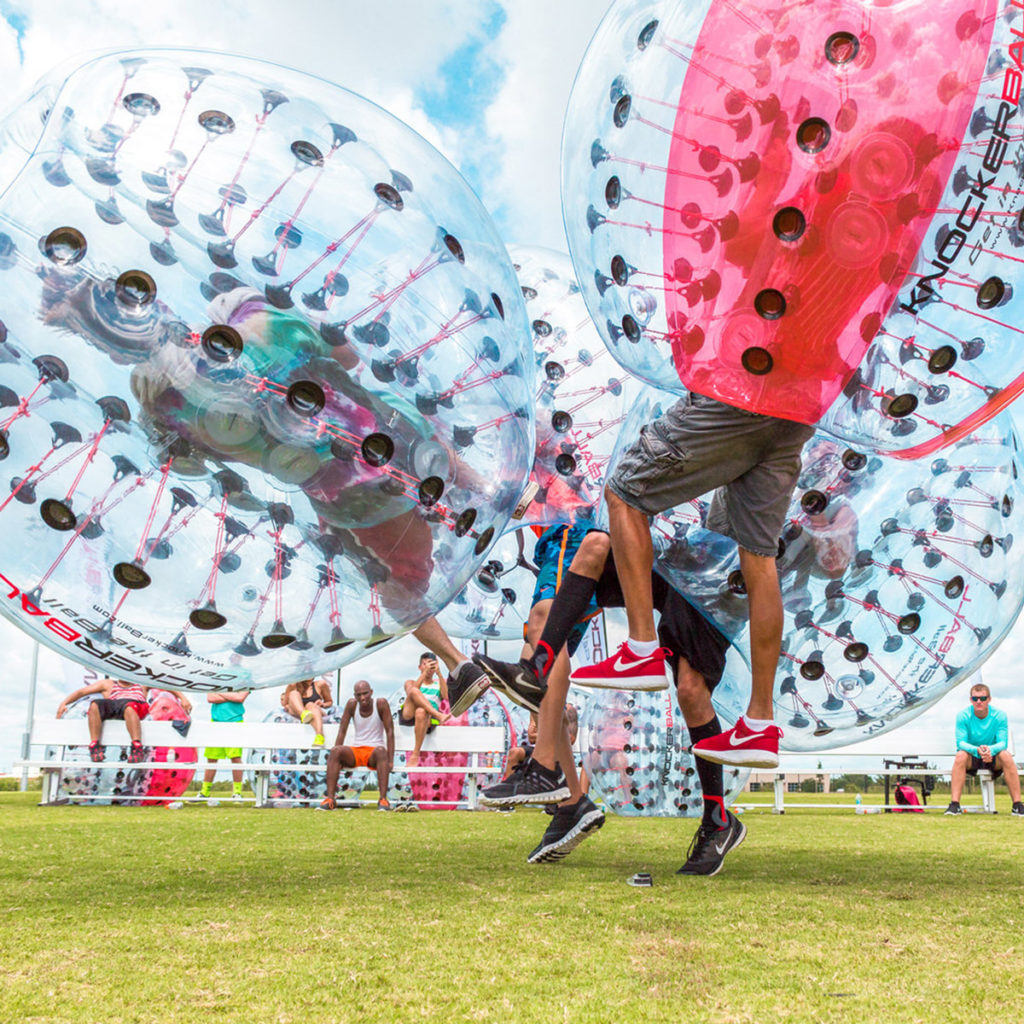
858 809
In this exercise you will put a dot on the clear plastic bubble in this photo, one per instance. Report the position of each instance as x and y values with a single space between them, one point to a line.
495 603
266 395
807 214
637 754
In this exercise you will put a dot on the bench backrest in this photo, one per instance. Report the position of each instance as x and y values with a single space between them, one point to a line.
469 739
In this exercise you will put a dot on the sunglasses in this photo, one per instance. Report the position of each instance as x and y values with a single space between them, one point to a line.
979 700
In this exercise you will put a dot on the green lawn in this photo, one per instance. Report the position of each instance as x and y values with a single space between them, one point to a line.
233 915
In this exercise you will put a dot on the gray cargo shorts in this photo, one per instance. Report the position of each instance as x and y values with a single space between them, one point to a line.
751 461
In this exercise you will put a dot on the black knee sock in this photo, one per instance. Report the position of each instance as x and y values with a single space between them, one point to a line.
710 775
566 610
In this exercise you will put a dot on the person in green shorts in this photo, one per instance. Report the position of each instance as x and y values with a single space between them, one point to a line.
422 706
227 707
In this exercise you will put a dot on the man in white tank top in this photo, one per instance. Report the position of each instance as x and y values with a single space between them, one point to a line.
372 744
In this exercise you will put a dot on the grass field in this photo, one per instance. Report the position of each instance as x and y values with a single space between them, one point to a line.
227 915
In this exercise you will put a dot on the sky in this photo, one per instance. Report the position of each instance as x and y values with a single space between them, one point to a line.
485 82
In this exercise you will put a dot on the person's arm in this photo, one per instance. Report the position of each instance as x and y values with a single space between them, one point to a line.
324 689
962 736
384 710
216 698
82 691
346 718
185 703
442 682
235 696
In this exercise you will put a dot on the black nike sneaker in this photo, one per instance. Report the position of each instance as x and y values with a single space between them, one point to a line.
569 827
534 785
710 845
518 682
465 685
953 808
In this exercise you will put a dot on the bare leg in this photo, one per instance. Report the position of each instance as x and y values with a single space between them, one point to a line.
563 750
420 723
956 785
552 731
294 705
236 773
634 558
316 718
95 723
133 725
515 758
338 757
764 599
432 635
552 708
211 773
415 701
1005 761
379 760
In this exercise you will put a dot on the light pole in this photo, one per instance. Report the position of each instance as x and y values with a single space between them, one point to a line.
30 714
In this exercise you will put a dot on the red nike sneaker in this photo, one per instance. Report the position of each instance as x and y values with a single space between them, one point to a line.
625 670
742 746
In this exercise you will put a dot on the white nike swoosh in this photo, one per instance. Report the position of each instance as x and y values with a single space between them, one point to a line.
747 741
720 849
621 666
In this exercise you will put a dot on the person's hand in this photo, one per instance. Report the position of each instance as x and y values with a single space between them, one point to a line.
986 753
60 710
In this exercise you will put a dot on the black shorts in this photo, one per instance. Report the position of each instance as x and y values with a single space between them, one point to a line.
115 708
977 765
410 722
682 629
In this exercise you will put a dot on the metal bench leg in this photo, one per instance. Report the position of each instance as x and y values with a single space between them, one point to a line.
471 796
780 795
988 792
261 786
51 785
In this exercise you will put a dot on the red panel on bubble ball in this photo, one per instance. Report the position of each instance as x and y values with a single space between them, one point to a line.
894 110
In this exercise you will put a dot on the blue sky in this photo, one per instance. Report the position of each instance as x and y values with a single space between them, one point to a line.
486 82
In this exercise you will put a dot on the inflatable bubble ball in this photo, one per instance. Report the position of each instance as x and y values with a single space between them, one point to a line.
495 603
636 750
265 372
810 210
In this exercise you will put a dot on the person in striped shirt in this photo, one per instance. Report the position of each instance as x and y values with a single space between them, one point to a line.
119 700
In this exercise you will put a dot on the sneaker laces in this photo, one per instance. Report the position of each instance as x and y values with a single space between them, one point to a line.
701 837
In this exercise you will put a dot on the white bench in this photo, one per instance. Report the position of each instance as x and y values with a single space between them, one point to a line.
837 761
485 747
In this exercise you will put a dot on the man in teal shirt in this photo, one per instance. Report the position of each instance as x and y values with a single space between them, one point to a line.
982 737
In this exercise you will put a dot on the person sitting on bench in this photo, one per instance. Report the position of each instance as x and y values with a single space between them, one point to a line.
120 700
981 742
373 744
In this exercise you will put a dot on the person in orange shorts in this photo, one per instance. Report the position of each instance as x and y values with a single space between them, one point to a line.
372 746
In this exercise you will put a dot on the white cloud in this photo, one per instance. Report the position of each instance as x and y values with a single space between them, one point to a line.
540 47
